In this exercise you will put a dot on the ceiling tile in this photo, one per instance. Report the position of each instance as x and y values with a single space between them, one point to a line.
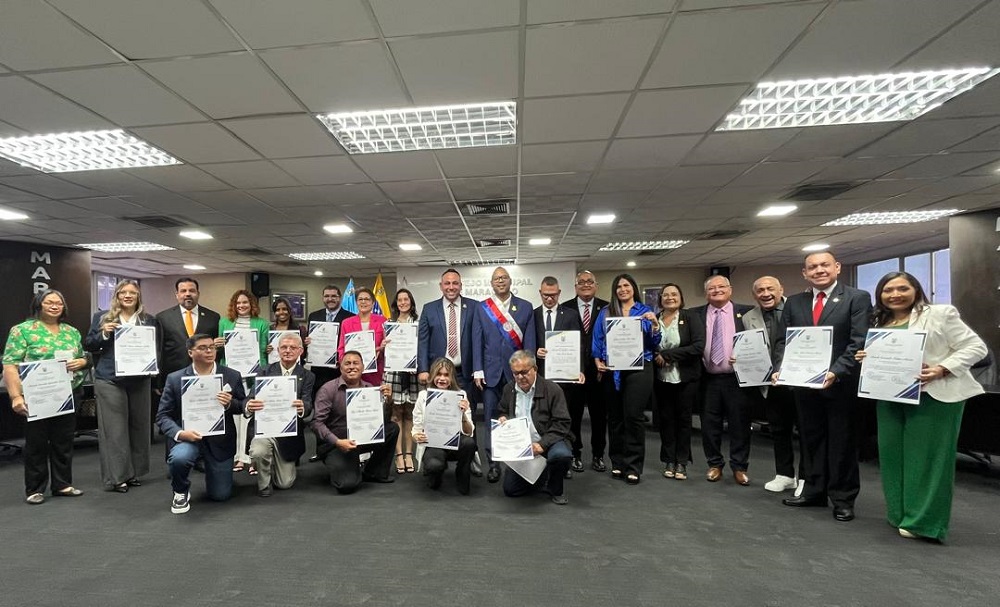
484 188
781 173
183 178
971 42
679 111
988 141
266 24
48 186
197 142
739 146
561 157
9 194
416 191
547 11
642 180
402 166
685 177
355 77
323 170
285 136
182 27
571 118
459 69
588 58
720 40
28 106
852 169
649 152
253 174
479 162
225 86
945 165
405 18
27 30
928 136
831 141
556 184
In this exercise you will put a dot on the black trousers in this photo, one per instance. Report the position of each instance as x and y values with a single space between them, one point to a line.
435 462
725 400
48 449
588 396
627 419
781 420
674 406
345 468
829 439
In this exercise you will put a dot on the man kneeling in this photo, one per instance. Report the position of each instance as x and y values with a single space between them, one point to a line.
543 403
342 455
275 459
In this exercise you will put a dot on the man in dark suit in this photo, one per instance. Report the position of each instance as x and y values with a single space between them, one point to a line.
827 416
179 323
542 401
588 395
552 316
331 312
722 398
275 459
504 324
445 331
186 446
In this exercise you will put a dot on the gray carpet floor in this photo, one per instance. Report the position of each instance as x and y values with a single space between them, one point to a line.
663 542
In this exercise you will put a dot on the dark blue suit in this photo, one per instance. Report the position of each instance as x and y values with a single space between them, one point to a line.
218 451
433 336
491 351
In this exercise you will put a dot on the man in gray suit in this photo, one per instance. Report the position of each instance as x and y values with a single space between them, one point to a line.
778 402
827 416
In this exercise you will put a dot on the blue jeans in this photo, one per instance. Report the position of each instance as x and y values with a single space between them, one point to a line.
558 457
218 474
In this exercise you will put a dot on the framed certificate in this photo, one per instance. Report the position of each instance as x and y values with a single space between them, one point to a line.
47 388
511 440
562 356
278 417
401 346
752 358
200 407
324 338
807 357
443 418
135 351
363 342
365 416
624 343
243 351
892 363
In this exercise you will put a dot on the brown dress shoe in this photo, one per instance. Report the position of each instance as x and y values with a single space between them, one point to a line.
741 477
714 475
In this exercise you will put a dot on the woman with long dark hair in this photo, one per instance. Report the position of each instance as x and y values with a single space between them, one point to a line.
917 443
627 393
281 309
48 443
404 386
123 402
678 368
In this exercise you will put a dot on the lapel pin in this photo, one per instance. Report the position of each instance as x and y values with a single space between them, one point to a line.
836 299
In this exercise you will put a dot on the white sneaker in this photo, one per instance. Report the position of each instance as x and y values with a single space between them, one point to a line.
181 503
780 483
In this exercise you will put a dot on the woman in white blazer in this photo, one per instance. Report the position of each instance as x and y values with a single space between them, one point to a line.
917 443
433 460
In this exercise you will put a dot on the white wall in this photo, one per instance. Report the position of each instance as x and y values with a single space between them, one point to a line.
424 282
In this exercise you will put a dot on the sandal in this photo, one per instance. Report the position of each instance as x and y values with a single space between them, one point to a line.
68 492
238 467
410 469
252 471
35 499
400 467
133 482
120 488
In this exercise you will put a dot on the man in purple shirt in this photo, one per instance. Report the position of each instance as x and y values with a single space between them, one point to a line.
341 454
723 399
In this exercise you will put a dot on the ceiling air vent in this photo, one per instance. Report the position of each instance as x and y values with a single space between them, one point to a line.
289 264
493 242
157 221
820 191
488 207
484 262
723 234
252 252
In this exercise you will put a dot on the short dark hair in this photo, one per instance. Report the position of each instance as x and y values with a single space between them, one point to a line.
674 285
451 271
550 281
354 352
333 288
35 310
177 283
196 338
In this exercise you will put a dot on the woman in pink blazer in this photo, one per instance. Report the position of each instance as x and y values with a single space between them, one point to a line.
366 321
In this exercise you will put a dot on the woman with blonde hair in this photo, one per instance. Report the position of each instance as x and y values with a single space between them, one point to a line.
123 401
434 461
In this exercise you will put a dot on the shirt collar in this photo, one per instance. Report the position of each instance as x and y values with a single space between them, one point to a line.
828 290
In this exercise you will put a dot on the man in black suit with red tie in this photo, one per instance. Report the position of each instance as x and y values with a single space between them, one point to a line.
827 415
588 395
553 316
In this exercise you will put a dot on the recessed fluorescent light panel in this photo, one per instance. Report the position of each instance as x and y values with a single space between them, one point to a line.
8 215
196 235
601 218
425 128
318 273
812 248
540 242
325 256
410 246
850 99
125 247
777 210
873 219
645 245
338 228
193 266
83 151
630 264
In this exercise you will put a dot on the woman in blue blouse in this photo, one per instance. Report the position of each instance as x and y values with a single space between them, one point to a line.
630 392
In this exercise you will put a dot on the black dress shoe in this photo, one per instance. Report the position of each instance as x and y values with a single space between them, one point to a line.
803 502
494 474
265 492
598 464
568 475
577 465
844 514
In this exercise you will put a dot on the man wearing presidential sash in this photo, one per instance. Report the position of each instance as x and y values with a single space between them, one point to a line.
504 324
